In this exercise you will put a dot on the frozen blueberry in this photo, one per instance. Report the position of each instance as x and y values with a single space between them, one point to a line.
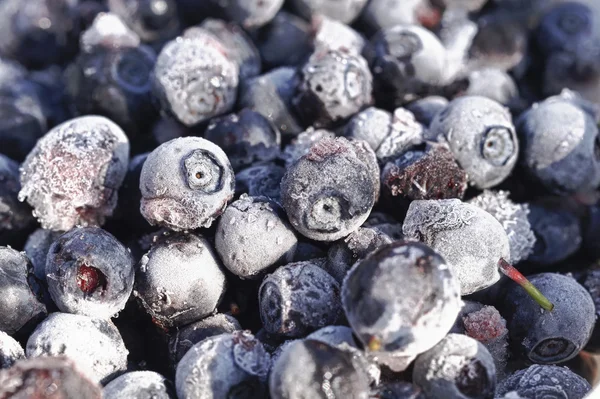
40 32
130 196
335 84
343 254
232 365
251 14
19 307
407 62
513 217
186 337
310 250
470 239
116 83
314 369
458 367
426 108
10 351
89 272
372 125
247 137
481 135
73 174
382 14
155 21
194 78
563 70
47 378
562 160
179 280
301 144
456 31
406 132
15 217
424 172
557 234
95 345
298 298
549 337
253 235
139 385
271 95
397 390
397 325
108 31
568 26
335 35
346 11
494 84
240 47
328 193
261 179
50 85
186 184
540 381
285 41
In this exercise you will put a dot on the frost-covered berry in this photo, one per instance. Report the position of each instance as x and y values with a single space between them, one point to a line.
260 180
561 160
95 345
10 351
481 135
343 254
108 31
253 235
179 280
187 336
224 366
155 21
471 240
186 184
247 137
549 337
19 306
251 14
194 79
514 219
15 217
328 193
458 367
335 35
73 174
335 84
89 272
139 385
405 133
426 108
345 11
300 145
425 172
314 369
372 125
298 298
47 377
540 381
394 324
36 248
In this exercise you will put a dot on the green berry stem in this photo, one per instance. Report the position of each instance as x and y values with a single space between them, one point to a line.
511 272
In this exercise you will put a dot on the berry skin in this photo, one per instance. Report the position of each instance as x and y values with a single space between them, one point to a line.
335 35
345 12
47 378
470 239
458 367
186 337
302 143
513 217
285 41
314 369
481 135
407 62
194 79
80 164
395 326
179 280
130 196
383 14
566 27
335 84
94 345
89 272
19 307
372 125
540 381
260 180
253 235
15 217
229 365
397 390
298 298
421 173
108 31
426 108
247 137
10 351
405 133
328 193
155 21
251 14
563 161
186 183
139 385
549 337
493 83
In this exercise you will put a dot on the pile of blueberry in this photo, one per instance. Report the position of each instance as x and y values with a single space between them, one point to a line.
302 199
